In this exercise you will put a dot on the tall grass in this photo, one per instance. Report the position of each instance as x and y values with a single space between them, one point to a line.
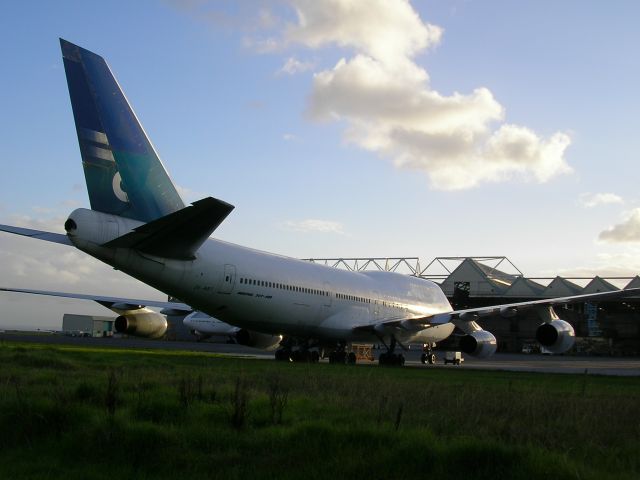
79 413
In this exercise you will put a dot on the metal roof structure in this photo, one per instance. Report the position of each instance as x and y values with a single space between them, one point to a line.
481 277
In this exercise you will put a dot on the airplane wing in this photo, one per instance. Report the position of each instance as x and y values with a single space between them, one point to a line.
38 234
119 303
504 310
511 309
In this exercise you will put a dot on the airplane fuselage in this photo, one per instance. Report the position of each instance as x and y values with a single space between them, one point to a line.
270 293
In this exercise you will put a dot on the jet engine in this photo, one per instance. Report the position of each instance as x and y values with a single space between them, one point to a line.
143 323
556 336
479 344
257 340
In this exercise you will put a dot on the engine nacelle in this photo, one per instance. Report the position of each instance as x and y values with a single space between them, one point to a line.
145 323
257 340
556 336
480 344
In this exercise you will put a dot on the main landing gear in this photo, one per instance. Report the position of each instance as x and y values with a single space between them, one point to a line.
427 354
341 356
389 358
292 350
303 355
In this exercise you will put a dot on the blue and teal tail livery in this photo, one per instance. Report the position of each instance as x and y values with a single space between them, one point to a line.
123 172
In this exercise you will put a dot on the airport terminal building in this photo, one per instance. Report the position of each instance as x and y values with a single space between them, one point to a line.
605 328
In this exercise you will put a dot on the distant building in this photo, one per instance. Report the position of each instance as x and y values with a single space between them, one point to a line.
87 325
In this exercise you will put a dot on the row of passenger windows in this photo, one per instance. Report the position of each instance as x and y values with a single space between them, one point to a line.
353 298
312 291
282 286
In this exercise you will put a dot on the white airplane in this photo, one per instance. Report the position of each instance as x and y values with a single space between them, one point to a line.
204 326
134 318
139 224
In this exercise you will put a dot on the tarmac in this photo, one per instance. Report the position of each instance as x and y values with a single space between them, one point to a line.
616 366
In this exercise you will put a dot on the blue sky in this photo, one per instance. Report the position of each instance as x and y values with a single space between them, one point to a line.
397 129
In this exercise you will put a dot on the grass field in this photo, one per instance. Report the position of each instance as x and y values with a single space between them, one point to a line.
75 413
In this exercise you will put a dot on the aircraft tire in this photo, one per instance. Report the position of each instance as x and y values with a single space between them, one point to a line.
283 355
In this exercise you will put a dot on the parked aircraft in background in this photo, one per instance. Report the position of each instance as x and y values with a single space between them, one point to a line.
135 318
205 326
139 224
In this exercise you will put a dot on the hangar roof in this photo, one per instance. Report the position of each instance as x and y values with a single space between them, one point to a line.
524 288
634 283
480 278
561 287
599 285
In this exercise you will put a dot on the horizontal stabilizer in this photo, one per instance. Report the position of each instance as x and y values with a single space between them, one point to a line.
179 234
38 234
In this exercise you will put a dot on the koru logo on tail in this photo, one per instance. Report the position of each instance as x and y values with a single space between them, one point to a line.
117 188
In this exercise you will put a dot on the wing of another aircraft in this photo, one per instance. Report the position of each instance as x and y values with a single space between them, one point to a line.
135 319
117 303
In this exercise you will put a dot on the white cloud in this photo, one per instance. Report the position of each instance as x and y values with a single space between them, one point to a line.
389 107
388 31
625 232
188 195
293 66
590 200
289 137
314 225
38 264
35 264
622 263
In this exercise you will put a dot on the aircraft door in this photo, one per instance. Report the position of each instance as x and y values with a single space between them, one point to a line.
376 305
228 279
327 299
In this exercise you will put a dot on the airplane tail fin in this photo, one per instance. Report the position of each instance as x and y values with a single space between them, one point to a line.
123 172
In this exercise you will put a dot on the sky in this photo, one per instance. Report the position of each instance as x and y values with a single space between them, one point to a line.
338 128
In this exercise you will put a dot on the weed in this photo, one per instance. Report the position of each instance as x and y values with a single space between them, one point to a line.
239 405
111 396
86 391
399 416
278 397
185 392
382 407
